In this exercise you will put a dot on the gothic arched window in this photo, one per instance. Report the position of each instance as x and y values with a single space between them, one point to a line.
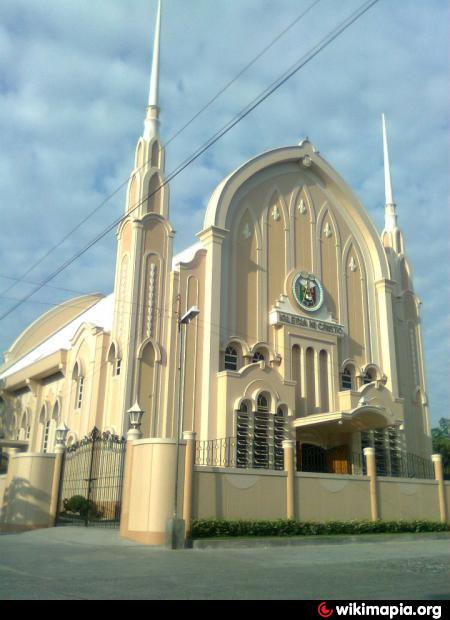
259 356
346 379
231 358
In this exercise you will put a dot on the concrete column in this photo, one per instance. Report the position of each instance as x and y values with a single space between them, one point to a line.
369 454
288 447
189 462
133 435
317 382
57 471
9 478
303 376
439 476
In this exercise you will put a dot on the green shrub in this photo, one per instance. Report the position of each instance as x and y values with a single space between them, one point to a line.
217 528
80 505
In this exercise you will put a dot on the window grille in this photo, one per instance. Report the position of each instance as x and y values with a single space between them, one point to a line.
260 437
259 357
118 367
346 380
231 359
46 437
80 392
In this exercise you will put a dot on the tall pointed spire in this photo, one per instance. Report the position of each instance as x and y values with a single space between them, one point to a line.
390 213
151 126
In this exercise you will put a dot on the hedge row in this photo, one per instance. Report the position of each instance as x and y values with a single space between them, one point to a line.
217 528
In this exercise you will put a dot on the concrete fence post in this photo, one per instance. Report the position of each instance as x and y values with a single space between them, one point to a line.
189 462
133 435
57 471
288 447
9 478
369 454
439 477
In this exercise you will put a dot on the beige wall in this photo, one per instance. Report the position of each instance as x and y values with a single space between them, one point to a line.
235 494
408 499
2 492
26 501
322 497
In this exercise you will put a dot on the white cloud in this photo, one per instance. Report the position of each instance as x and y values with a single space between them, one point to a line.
73 83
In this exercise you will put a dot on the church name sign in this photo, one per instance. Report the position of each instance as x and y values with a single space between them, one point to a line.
284 318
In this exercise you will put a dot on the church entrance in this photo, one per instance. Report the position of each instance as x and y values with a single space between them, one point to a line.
313 458
90 492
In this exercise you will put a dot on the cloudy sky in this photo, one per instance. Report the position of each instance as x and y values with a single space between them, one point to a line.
73 88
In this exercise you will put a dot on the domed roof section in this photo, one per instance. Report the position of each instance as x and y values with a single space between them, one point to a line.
49 324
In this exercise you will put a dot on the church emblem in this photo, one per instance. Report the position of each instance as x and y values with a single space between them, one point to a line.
308 291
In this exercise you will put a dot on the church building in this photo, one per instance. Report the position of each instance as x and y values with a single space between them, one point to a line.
290 317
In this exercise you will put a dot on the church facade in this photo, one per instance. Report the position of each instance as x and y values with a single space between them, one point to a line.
308 326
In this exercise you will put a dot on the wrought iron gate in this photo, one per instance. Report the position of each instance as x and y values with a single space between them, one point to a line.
90 491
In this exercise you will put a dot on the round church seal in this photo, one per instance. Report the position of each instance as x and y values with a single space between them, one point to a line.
308 291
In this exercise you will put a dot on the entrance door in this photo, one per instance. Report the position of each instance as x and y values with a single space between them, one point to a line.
91 483
339 460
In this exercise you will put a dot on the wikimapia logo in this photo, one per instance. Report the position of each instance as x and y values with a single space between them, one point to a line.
391 611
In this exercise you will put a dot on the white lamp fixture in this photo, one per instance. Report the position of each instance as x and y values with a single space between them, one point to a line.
61 434
135 415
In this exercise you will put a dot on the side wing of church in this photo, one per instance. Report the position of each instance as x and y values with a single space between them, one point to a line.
309 328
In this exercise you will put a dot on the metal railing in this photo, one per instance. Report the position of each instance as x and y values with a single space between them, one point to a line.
251 454
217 452
335 461
3 463
405 465
340 461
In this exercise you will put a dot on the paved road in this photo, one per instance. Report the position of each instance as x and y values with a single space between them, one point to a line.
73 563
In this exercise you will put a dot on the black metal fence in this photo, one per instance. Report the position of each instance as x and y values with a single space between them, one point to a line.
91 482
3 463
333 461
240 452
234 452
340 461
217 453
405 465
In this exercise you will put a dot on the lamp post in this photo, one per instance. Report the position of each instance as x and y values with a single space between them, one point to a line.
175 526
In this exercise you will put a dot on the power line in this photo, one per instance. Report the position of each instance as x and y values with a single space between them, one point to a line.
304 60
174 136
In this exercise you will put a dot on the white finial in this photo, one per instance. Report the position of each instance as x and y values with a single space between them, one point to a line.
390 211
152 118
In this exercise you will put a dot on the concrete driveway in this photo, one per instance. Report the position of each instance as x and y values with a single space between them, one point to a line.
75 563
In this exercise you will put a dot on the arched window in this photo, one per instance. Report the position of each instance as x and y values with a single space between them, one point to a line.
263 404
80 390
258 356
242 435
346 379
231 358
279 435
369 376
45 438
261 434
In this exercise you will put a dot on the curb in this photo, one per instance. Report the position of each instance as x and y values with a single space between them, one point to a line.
304 541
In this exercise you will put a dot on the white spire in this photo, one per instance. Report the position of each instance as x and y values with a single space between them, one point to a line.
390 210
152 117
154 80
